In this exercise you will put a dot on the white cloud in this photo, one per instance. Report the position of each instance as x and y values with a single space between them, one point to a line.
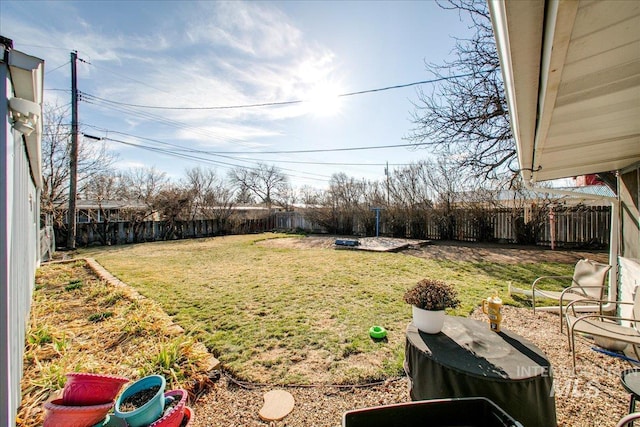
229 54
207 54
252 28
223 136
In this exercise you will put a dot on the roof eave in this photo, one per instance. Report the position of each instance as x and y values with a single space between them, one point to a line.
519 51
27 77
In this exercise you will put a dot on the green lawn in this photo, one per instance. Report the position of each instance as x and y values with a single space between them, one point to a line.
281 315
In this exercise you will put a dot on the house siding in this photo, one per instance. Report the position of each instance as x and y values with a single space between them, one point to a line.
19 251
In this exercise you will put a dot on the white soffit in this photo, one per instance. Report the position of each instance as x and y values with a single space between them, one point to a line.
27 77
588 107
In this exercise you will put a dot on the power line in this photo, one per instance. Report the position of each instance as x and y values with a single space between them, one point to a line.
183 155
45 47
332 163
325 150
57 68
187 156
280 103
210 161
129 78
90 99
328 150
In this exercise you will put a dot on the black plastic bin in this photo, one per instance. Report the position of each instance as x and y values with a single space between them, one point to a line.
467 412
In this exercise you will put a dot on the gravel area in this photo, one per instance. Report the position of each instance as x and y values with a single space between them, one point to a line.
593 397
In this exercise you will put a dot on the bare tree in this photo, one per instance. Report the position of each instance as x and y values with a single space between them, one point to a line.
213 196
409 186
93 160
143 185
200 182
267 183
55 163
465 116
103 190
343 202
218 205
411 199
172 202
310 196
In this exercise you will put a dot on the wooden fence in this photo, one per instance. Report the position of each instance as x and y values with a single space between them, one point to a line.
117 233
578 227
573 227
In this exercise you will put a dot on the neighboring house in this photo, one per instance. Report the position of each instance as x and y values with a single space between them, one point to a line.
590 195
20 185
572 78
90 210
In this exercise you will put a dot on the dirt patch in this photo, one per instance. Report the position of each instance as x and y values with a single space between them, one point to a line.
509 254
314 365
453 251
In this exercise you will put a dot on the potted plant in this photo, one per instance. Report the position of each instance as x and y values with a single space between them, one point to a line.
429 298
142 403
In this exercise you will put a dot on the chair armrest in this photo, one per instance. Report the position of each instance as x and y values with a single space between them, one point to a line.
535 282
572 287
597 316
594 301
603 316
624 421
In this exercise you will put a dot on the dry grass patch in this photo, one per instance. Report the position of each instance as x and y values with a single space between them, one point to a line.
80 324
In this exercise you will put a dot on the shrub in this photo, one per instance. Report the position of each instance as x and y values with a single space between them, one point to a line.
430 294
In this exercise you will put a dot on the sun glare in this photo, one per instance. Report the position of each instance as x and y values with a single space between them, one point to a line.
324 100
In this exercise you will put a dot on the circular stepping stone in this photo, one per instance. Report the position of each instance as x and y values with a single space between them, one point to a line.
277 405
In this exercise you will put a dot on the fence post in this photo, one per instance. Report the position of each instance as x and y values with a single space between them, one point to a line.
552 227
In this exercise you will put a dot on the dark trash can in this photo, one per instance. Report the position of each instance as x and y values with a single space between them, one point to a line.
456 412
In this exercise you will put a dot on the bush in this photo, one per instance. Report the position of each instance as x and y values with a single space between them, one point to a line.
430 294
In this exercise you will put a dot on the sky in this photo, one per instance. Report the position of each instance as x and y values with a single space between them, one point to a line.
187 59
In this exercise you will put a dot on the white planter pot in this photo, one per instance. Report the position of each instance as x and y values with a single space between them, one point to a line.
428 321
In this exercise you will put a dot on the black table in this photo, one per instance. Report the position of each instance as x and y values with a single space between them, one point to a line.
467 359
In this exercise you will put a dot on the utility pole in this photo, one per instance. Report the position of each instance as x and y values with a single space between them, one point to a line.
73 156
386 172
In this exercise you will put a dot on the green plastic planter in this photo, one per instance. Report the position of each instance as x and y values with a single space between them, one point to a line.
150 411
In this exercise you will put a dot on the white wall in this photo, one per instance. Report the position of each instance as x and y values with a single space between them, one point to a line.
19 246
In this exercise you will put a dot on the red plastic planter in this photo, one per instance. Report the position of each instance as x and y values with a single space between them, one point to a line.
60 415
174 417
188 415
91 389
